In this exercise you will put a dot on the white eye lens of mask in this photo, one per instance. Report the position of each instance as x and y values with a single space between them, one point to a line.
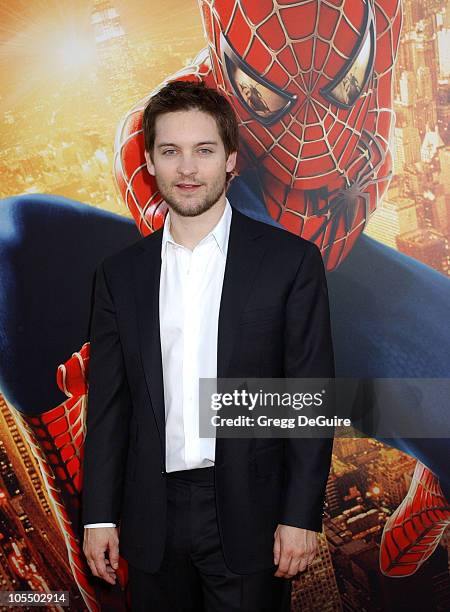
260 99
263 100
346 88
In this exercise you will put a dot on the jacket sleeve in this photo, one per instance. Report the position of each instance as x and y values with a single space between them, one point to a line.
308 354
108 413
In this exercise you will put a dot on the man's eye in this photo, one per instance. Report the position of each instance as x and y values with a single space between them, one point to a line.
206 151
169 152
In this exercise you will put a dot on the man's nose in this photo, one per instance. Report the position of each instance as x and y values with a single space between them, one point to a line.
187 165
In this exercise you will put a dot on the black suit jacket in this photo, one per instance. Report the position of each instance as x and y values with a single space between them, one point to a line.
273 322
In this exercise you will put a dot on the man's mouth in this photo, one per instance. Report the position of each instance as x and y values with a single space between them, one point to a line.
188 187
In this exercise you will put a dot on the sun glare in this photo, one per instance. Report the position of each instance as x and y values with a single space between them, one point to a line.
51 46
72 52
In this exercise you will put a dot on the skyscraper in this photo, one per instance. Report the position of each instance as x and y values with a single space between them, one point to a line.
116 67
428 246
395 216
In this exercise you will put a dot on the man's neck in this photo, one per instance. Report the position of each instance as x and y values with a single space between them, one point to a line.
189 231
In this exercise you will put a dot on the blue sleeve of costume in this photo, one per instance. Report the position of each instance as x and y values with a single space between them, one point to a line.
49 249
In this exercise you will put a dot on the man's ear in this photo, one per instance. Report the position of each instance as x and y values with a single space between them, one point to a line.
231 161
150 164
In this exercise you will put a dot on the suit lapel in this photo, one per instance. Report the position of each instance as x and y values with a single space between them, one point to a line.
147 271
244 256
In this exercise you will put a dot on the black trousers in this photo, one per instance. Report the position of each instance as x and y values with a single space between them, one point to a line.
193 576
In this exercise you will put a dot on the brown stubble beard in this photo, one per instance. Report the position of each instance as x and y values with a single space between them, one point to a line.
213 193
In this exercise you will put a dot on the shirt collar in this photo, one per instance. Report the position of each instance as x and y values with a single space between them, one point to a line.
220 232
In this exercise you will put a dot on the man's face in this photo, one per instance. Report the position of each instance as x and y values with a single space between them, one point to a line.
189 161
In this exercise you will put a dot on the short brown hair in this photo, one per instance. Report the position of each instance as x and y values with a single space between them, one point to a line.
190 95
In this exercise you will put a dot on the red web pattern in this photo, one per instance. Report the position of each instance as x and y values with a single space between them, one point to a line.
57 438
322 168
414 530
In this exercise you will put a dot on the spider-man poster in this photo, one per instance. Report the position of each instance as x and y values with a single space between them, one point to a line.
343 109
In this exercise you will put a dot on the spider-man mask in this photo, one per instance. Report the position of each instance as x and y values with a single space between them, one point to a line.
311 85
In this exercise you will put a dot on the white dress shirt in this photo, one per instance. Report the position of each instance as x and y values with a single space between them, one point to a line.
189 301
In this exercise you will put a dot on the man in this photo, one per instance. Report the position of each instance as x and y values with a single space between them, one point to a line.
219 525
